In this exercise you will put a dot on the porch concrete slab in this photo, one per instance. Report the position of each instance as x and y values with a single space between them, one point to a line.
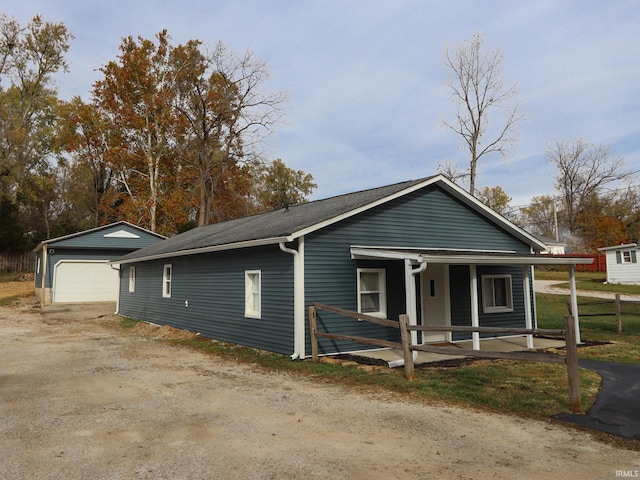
512 344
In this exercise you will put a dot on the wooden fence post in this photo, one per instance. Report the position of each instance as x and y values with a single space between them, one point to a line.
312 330
573 371
405 335
618 314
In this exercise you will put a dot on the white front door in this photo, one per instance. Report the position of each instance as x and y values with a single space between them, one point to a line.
434 297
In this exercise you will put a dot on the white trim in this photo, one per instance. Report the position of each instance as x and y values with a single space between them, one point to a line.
214 248
381 291
421 255
167 280
625 246
121 234
251 310
69 261
486 294
528 317
299 311
475 309
96 229
132 279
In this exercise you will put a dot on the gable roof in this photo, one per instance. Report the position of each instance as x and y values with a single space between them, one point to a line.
112 226
285 225
623 246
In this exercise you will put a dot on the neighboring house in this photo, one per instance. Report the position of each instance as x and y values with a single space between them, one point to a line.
75 268
425 247
554 247
622 264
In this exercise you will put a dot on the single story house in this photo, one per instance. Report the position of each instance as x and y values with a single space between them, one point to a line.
75 268
423 247
622 264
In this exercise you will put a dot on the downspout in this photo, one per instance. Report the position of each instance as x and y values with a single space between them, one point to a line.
117 267
574 300
44 261
298 298
411 301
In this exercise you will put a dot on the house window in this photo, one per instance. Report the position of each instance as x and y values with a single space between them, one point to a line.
166 281
253 293
132 279
372 295
626 256
496 293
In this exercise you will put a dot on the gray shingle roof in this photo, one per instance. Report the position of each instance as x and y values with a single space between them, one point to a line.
274 224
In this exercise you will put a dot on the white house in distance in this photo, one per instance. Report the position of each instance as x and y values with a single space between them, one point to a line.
622 264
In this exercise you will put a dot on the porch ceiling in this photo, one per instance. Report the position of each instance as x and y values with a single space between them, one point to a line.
462 257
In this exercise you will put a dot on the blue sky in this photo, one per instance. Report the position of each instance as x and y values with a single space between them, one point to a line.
367 83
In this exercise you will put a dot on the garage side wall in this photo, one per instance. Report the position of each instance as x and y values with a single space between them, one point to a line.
208 296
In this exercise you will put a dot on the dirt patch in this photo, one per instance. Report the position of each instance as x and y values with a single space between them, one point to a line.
165 332
16 289
89 399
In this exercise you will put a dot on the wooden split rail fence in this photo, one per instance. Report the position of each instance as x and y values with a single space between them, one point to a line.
569 333
618 313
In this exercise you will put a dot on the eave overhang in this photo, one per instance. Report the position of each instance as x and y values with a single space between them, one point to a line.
210 249
462 257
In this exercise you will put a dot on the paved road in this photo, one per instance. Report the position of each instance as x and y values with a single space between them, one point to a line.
615 410
547 286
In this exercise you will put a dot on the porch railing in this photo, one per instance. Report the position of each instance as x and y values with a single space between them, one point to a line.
408 349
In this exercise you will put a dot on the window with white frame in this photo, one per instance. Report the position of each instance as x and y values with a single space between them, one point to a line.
132 279
626 256
253 293
166 281
372 295
496 293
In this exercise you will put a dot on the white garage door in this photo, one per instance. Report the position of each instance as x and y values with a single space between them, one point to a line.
85 282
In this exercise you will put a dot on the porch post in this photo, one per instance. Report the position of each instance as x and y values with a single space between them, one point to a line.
475 316
410 298
527 304
574 300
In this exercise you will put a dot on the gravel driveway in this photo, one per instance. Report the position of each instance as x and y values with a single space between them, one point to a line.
83 398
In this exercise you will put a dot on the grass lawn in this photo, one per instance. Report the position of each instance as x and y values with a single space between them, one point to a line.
625 347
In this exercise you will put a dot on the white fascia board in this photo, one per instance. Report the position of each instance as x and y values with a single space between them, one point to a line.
364 208
215 248
504 260
619 247
507 258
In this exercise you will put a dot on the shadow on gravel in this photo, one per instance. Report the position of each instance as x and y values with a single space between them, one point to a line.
77 311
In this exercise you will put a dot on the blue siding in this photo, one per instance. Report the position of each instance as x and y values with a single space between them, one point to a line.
214 286
428 218
97 239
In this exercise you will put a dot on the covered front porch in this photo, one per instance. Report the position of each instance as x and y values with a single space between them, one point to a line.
447 287
394 357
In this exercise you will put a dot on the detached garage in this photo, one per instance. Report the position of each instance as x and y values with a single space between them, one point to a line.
75 268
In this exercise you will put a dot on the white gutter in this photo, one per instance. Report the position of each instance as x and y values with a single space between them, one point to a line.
214 248
298 298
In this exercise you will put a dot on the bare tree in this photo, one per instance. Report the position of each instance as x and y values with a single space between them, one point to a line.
584 171
477 88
